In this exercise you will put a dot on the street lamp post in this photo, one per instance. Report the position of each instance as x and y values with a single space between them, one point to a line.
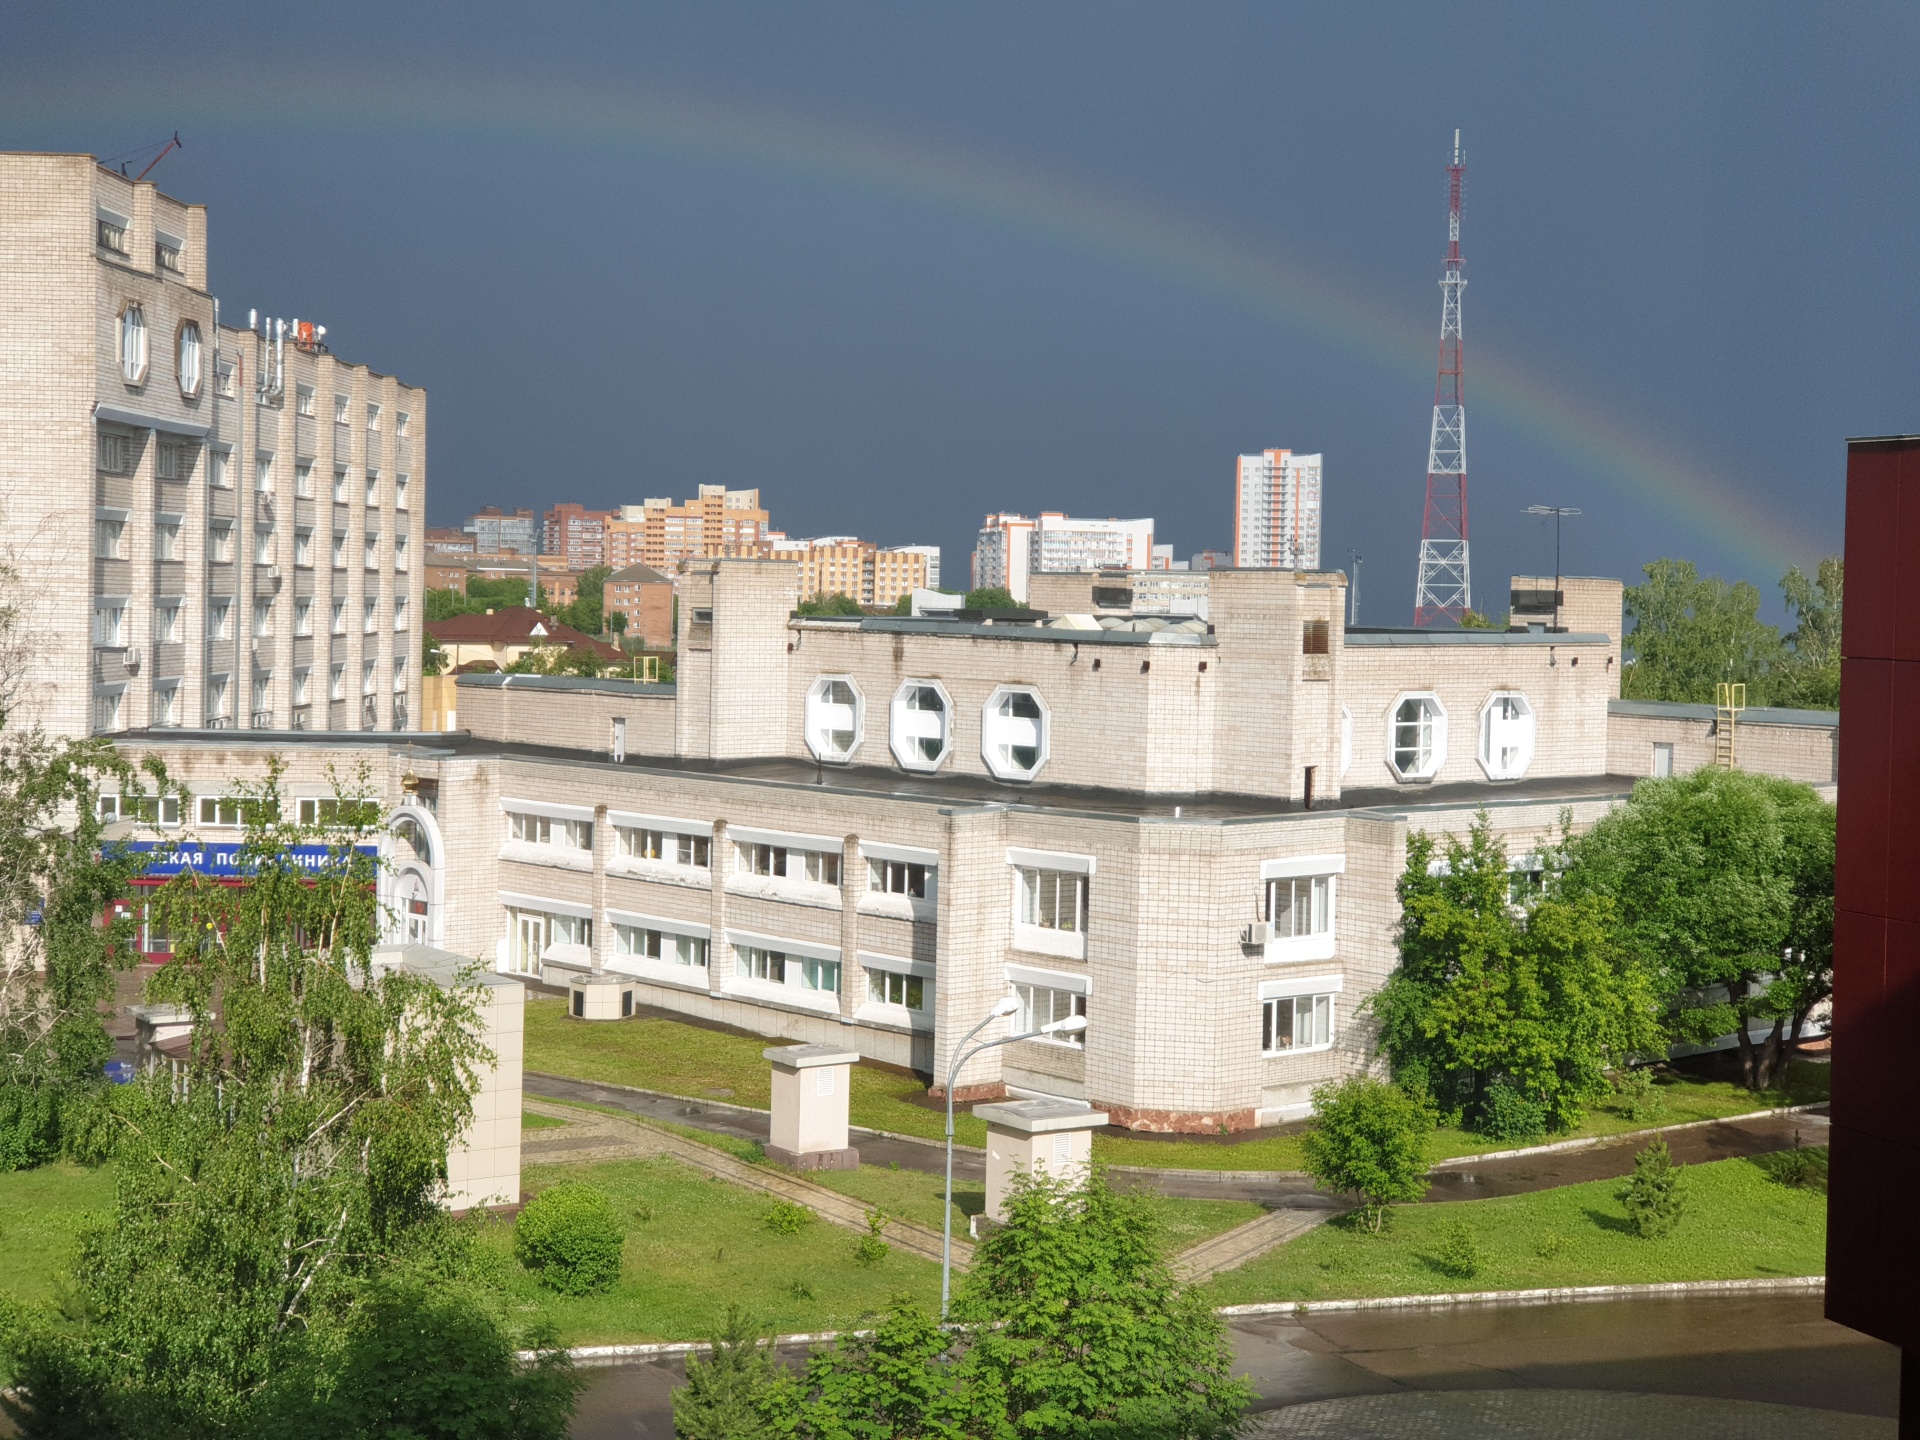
1559 513
1007 1005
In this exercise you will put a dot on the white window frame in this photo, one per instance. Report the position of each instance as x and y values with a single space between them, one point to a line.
657 947
1508 761
166 712
110 622
337 683
1436 731
401 484
220 542
133 345
303 400
1313 944
220 468
1001 734
342 409
302 679
166 537
802 966
303 479
166 620
399 612
1049 871
1289 992
218 689
678 846
220 618
263 472
909 727
339 484
824 717
1066 995
187 360
303 548
109 534
337 621
263 545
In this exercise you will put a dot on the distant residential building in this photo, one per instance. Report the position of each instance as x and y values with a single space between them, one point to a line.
716 524
576 535
496 531
449 540
1277 511
932 552
1012 547
1211 560
858 569
447 572
500 637
645 597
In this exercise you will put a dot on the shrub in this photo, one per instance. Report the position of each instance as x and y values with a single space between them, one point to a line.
29 1126
1641 1100
1656 1197
788 1219
1459 1256
872 1248
1508 1114
570 1235
1802 1169
1368 1138
726 1394
89 1131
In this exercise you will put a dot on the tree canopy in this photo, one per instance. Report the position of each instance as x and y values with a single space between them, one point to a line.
1501 988
825 604
1689 633
991 597
1722 882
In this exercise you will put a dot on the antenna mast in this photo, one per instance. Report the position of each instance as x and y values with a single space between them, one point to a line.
1445 591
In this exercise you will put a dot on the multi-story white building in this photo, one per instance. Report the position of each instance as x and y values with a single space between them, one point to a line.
1276 510
866 831
1012 547
212 526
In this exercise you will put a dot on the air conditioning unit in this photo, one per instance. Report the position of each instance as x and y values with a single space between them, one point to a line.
1260 932
132 661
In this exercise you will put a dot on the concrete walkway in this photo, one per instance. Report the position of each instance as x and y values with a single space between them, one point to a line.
591 1136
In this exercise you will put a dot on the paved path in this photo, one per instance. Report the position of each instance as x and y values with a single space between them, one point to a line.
1234 1248
1430 1368
589 1135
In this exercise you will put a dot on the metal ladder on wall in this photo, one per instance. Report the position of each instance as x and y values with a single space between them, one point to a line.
1729 699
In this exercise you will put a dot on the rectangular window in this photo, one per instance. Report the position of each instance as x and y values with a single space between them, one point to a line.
1300 905
262 618
166 253
1053 900
166 711
1313 637
402 423
339 549
758 964
342 410
303 399
369 618
220 619
166 540
300 686
1296 1022
373 550
263 547
1042 1006
339 484
400 684
303 480
542 830
664 945
172 461
821 867
220 469
220 543
373 488
109 539
373 417
897 877
262 699
337 683
110 234
399 612
338 625
107 708
217 697
367 686
668 846
303 547
886 988
402 484
821 975
110 623
400 551
223 381
263 474
166 622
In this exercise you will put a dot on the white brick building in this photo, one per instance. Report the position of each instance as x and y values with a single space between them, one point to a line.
213 527
866 831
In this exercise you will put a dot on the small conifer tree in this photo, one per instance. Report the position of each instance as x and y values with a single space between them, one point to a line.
1657 1195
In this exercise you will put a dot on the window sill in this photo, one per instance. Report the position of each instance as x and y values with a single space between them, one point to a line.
661 871
1300 947
1074 1047
899 907
660 972
791 892
1297 1050
552 856
823 1002
1037 940
894 1017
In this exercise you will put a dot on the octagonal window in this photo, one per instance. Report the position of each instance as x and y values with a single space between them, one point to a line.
1013 733
834 713
1506 735
1417 737
920 729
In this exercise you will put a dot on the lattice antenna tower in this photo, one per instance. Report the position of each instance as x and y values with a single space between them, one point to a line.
1445 591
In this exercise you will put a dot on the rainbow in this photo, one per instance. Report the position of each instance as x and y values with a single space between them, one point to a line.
1639 466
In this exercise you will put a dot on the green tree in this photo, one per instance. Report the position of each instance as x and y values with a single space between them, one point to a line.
825 604
586 613
502 594
445 604
1368 1138
991 597
560 660
729 1395
1723 883
433 660
1808 676
1535 996
1075 1322
904 605
896 1382
297 1154
1691 633
1656 1196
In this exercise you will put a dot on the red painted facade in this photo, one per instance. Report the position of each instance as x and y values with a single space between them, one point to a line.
1873 1247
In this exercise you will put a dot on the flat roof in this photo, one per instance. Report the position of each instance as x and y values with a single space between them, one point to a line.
1756 715
1384 635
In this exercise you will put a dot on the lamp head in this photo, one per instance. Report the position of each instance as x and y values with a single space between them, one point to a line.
1006 1005
1070 1025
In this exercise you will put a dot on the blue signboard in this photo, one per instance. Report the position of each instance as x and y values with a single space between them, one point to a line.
230 859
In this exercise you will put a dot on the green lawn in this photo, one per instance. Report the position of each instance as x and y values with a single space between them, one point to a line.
40 1213
696 1245
913 1195
531 1121
1738 1224
682 1059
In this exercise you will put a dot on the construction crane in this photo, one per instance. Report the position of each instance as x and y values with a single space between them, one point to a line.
125 162
1445 590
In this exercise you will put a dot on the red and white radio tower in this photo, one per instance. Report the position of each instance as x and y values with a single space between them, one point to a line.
1445 592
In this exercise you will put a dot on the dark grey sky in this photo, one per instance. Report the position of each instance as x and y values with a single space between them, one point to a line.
899 265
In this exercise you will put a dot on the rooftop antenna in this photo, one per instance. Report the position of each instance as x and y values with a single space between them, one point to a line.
1559 513
166 150
1353 591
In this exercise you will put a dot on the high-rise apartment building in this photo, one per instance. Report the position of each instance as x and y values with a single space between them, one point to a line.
932 552
858 569
575 534
501 532
1012 547
1276 511
717 524
219 527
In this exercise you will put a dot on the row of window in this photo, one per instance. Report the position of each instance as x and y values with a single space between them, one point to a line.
219 812
111 630
175 460
1013 725
134 352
